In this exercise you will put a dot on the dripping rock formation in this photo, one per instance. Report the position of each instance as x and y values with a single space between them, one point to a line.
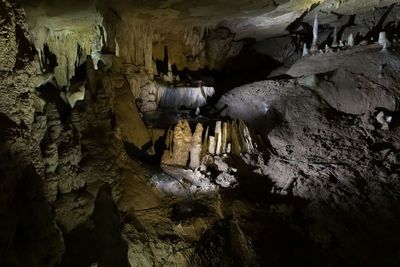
199 133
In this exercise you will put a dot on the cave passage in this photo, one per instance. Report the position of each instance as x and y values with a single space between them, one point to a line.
199 133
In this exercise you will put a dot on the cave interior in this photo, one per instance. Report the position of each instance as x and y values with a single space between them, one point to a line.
199 133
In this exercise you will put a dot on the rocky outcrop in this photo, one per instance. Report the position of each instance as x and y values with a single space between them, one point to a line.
28 234
179 143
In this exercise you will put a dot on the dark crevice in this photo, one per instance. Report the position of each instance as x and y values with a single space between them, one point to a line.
51 94
98 240
25 53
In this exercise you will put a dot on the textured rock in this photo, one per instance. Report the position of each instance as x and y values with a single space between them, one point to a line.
129 123
195 147
182 141
71 38
320 169
29 235
218 138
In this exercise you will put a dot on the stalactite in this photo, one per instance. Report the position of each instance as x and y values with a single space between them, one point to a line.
135 43
70 46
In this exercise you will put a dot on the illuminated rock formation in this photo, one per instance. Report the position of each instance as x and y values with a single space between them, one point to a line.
218 138
181 145
70 47
335 43
226 136
350 40
305 50
190 97
383 40
314 45
195 147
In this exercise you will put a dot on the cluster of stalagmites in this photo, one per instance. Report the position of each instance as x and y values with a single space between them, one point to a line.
383 41
185 148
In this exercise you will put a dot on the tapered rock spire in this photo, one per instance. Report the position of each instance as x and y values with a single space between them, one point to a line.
314 46
383 40
350 41
335 43
305 50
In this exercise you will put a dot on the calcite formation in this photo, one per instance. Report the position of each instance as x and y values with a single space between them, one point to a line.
78 152
314 45
190 97
229 137
195 147
69 46
383 40
181 144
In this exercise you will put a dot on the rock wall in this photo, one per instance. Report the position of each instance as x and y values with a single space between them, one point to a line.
29 235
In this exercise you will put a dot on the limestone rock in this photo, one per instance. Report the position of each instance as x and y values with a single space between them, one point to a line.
130 124
225 137
182 140
71 45
211 145
218 138
196 146
75 93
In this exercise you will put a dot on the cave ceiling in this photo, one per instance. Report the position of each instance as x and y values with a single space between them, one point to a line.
247 18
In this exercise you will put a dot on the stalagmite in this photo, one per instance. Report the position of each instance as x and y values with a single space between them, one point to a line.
350 41
229 137
314 46
335 43
218 137
182 140
236 147
383 40
305 50
117 53
224 137
327 48
205 144
242 140
341 44
211 145
229 148
195 148
247 138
